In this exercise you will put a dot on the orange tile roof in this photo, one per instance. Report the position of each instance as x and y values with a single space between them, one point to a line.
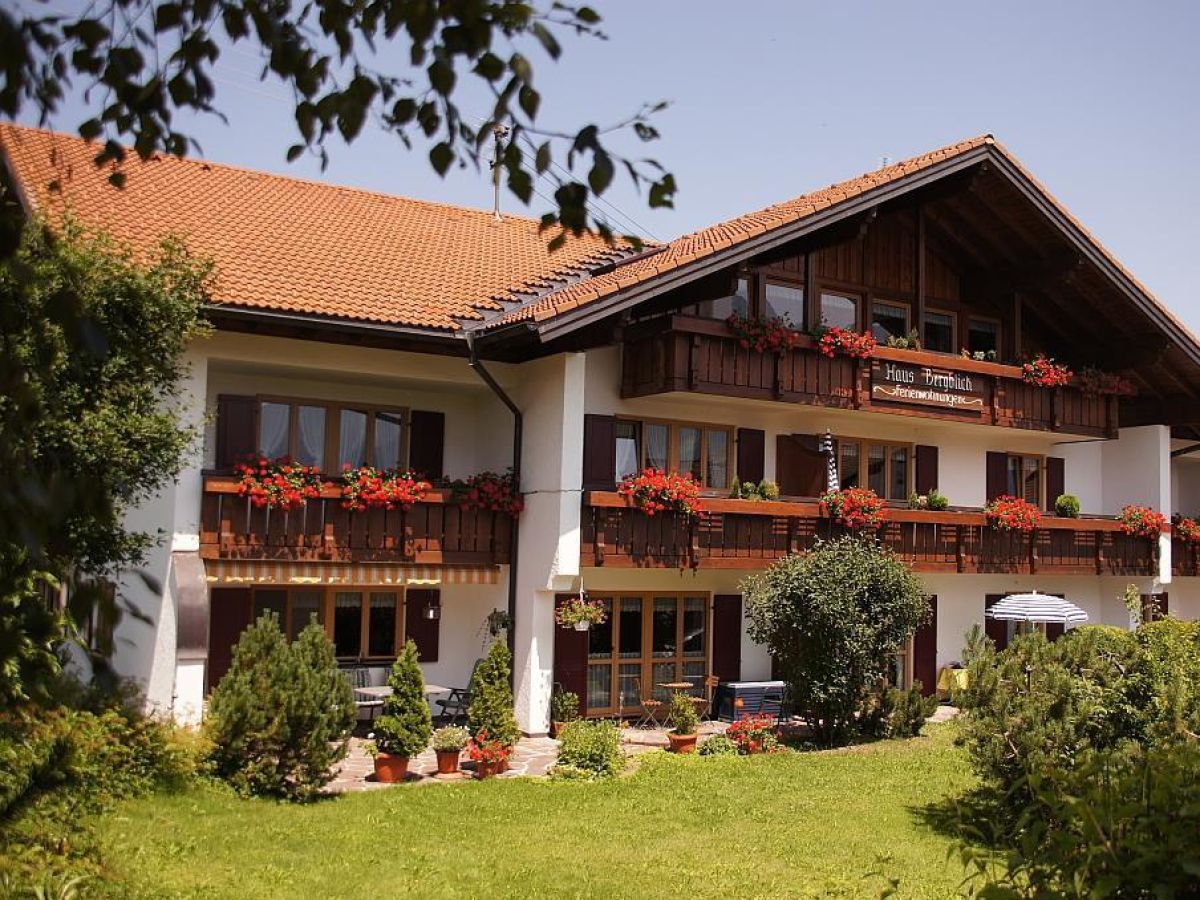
291 245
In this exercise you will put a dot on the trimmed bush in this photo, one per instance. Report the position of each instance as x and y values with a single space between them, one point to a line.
592 747
491 707
282 715
1067 506
903 713
718 745
405 725
683 715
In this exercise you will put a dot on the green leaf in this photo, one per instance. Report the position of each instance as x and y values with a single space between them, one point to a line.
547 40
440 157
542 160
167 16
529 100
601 175
294 152
441 76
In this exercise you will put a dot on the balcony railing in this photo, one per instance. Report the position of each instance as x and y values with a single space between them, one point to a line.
744 534
1185 557
436 531
685 353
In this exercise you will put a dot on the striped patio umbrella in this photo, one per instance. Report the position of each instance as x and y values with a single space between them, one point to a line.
832 482
1036 607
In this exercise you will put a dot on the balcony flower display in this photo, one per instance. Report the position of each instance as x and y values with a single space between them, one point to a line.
654 491
773 335
278 483
1007 513
855 508
1142 521
368 488
1094 381
1187 529
848 343
491 491
580 613
1045 372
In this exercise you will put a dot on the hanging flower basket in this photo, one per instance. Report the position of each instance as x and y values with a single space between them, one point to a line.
367 488
1187 530
1007 513
856 508
490 491
848 343
580 613
279 483
773 335
1143 522
1045 372
655 491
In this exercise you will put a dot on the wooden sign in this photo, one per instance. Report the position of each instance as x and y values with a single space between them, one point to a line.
893 382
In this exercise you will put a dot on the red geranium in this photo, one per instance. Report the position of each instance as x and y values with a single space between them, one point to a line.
655 491
491 491
279 483
482 749
1007 513
1045 372
848 343
1188 530
762 335
755 734
1094 381
1142 521
856 508
368 488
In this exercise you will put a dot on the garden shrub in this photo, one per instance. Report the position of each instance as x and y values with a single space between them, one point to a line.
718 745
405 726
902 714
754 734
1067 506
491 707
282 715
833 619
593 747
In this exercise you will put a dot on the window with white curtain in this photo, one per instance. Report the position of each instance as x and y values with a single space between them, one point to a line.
331 436
702 450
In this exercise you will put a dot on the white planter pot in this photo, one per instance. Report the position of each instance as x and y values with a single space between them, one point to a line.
582 626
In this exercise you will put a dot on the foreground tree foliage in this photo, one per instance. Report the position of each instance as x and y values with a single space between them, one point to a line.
145 60
282 715
833 619
92 356
406 724
491 707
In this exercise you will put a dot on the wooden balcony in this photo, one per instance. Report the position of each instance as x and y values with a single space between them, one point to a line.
434 532
744 534
1185 557
685 353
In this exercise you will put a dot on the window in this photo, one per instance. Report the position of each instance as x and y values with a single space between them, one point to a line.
1025 478
701 450
654 639
983 335
839 311
885 468
780 300
361 435
738 302
900 674
361 623
352 439
888 320
939 332
275 429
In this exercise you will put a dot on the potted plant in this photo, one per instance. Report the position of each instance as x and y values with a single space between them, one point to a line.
1143 522
848 343
1067 506
854 508
492 492
564 708
580 613
1187 529
489 755
1045 372
448 743
278 483
654 491
404 728
771 335
369 488
684 720
1007 513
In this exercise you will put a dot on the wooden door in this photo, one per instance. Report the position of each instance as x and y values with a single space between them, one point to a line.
571 659
925 651
801 469
995 629
727 637
231 611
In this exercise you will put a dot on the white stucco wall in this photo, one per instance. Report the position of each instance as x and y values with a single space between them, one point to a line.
1185 485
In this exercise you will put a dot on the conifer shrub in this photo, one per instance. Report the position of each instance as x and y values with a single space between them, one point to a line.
593 747
282 715
491 707
405 726
902 714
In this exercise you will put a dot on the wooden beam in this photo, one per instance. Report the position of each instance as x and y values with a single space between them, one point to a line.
1184 451
1175 411
812 302
919 271
1018 325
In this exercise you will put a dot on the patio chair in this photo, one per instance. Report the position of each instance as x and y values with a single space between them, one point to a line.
704 704
653 709
360 677
455 705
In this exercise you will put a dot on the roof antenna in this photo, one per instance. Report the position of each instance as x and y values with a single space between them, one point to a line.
499 132
884 162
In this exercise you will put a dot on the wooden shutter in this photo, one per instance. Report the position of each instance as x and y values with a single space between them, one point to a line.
231 612
727 637
1056 480
927 469
1055 630
422 631
427 443
751 455
237 429
800 467
571 658
599 453
997 475
995 629
925 650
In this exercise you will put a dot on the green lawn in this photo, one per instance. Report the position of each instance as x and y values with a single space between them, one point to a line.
797 825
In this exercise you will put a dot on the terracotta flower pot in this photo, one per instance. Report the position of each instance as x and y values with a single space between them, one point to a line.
558 728
682 743
447 761
487 769
390 769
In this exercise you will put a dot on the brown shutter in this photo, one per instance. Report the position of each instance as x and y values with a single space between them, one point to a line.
599 453
230 614
422 631
427 442
997 475
994 628
927 468
727 636
571 658
751 453
237 429
1056 480
800 467
925 650
1055 630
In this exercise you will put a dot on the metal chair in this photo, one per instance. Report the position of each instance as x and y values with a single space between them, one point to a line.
458 702
653 709
360 677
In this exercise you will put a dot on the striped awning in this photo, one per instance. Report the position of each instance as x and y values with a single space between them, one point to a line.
231 571
1036 607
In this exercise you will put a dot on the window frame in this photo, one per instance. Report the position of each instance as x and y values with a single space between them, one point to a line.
328 600
1041 473
954 329
991 320
863 480
760 295
673 426
333 418
859 295
895 304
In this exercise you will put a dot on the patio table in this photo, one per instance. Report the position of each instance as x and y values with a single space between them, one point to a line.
676 685
379 691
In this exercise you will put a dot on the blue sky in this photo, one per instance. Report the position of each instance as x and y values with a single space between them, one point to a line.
771 99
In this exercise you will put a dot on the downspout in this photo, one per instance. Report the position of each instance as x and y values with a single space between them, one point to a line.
514 544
